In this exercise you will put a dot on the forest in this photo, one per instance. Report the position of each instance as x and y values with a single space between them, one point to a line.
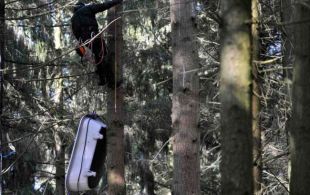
213 97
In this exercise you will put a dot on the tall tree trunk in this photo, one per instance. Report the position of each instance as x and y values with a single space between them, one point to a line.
60 163
235 96
286 16
185 106
2 36
115 133
256 130
300 124
287 60
58 138
57 31
147 178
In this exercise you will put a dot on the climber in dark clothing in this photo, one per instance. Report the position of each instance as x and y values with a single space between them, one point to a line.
84 27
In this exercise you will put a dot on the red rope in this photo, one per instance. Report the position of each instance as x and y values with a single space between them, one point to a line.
101 54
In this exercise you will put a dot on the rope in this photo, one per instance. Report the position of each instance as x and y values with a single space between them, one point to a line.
179 35
101 54
115 64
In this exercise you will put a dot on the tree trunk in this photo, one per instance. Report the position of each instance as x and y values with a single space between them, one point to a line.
60 163
115 133
300 124
57 32
2 36
58 138
286 16
287 60
235 96
147 183
256 130
185 106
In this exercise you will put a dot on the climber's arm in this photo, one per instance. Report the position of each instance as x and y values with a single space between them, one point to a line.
100 7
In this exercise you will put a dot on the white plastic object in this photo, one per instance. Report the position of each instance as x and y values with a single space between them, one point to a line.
89 139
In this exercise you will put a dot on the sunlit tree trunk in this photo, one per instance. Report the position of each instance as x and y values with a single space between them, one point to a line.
115 133
58 98
185 102
300 123
256 130
235 96
57 32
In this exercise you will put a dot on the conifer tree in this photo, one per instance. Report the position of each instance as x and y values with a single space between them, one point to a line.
299 128
185 101
235 96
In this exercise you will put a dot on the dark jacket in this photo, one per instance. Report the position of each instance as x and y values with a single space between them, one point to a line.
84 19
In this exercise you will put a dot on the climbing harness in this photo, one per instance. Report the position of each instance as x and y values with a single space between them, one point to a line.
85 51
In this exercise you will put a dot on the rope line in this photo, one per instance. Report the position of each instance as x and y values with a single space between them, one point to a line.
115 64
92 58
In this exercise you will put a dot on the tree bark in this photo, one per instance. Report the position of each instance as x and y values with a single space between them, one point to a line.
235 96
256 130
57 32
2 36
286 17
300 125
185 106
115 132
58 138
60 163
147 183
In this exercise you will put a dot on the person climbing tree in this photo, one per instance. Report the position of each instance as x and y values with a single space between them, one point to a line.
84 27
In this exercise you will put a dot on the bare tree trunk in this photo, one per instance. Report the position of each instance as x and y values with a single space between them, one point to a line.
256 130
60 163
57 32
59 142
235 96
2 36
286 16
147 178
300 124
185 106
115 133
287 60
